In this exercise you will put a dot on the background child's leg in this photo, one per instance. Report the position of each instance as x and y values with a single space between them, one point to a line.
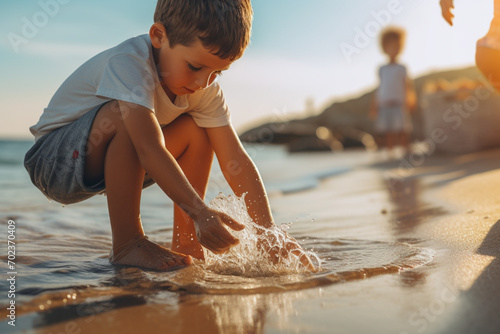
189 144
403 140
389 141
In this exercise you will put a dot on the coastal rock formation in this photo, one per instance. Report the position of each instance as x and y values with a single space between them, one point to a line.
346 124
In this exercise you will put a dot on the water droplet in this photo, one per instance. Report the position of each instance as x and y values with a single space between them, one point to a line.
259 251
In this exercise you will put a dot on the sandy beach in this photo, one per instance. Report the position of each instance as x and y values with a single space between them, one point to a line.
367 215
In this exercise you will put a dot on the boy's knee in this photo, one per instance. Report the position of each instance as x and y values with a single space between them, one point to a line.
197 134
108 119
106 124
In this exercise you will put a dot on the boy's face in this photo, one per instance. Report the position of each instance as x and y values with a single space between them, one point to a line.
185 69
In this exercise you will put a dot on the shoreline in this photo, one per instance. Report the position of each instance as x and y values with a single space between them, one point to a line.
467 237
443 205
472 236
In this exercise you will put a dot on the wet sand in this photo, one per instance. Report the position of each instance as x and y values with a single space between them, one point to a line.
450 204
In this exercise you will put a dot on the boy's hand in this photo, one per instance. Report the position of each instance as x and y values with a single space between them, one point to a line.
446 6
281 246
212 234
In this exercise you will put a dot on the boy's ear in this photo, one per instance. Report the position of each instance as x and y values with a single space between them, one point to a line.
158 35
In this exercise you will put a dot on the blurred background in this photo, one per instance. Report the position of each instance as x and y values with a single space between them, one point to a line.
303 58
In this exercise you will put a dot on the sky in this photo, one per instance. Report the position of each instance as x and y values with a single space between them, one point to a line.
303 55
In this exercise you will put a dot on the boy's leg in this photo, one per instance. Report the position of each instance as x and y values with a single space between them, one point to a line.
379 140
189 144
111 154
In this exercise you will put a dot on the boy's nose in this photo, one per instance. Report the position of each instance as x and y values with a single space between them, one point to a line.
201 82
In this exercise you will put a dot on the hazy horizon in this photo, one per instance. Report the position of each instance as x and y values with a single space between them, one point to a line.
297 53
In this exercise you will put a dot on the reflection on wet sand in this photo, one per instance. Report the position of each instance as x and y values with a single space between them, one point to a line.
467 303
470 242
169 312
217 301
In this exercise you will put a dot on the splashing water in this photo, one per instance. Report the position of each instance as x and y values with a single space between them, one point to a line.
248 258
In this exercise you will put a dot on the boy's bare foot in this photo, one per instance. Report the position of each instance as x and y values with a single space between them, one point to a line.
143 253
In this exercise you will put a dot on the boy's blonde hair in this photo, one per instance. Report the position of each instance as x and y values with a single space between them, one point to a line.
221 25
392 34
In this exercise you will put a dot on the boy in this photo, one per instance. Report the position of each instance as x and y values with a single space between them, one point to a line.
394 96
149 109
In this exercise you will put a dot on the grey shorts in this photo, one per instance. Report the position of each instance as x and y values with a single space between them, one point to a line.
393 119
56 162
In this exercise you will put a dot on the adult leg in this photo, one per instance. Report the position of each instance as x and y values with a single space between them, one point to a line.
111 154
488 61
189 144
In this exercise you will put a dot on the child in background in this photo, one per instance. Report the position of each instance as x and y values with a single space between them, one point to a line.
149 110
394 97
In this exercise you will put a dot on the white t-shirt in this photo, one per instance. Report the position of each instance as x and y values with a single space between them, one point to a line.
127 72
392 88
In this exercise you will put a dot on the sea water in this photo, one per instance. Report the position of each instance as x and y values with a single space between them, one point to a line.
248 259
62 252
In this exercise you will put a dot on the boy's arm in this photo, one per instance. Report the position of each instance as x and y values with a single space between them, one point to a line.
148 141
241 173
